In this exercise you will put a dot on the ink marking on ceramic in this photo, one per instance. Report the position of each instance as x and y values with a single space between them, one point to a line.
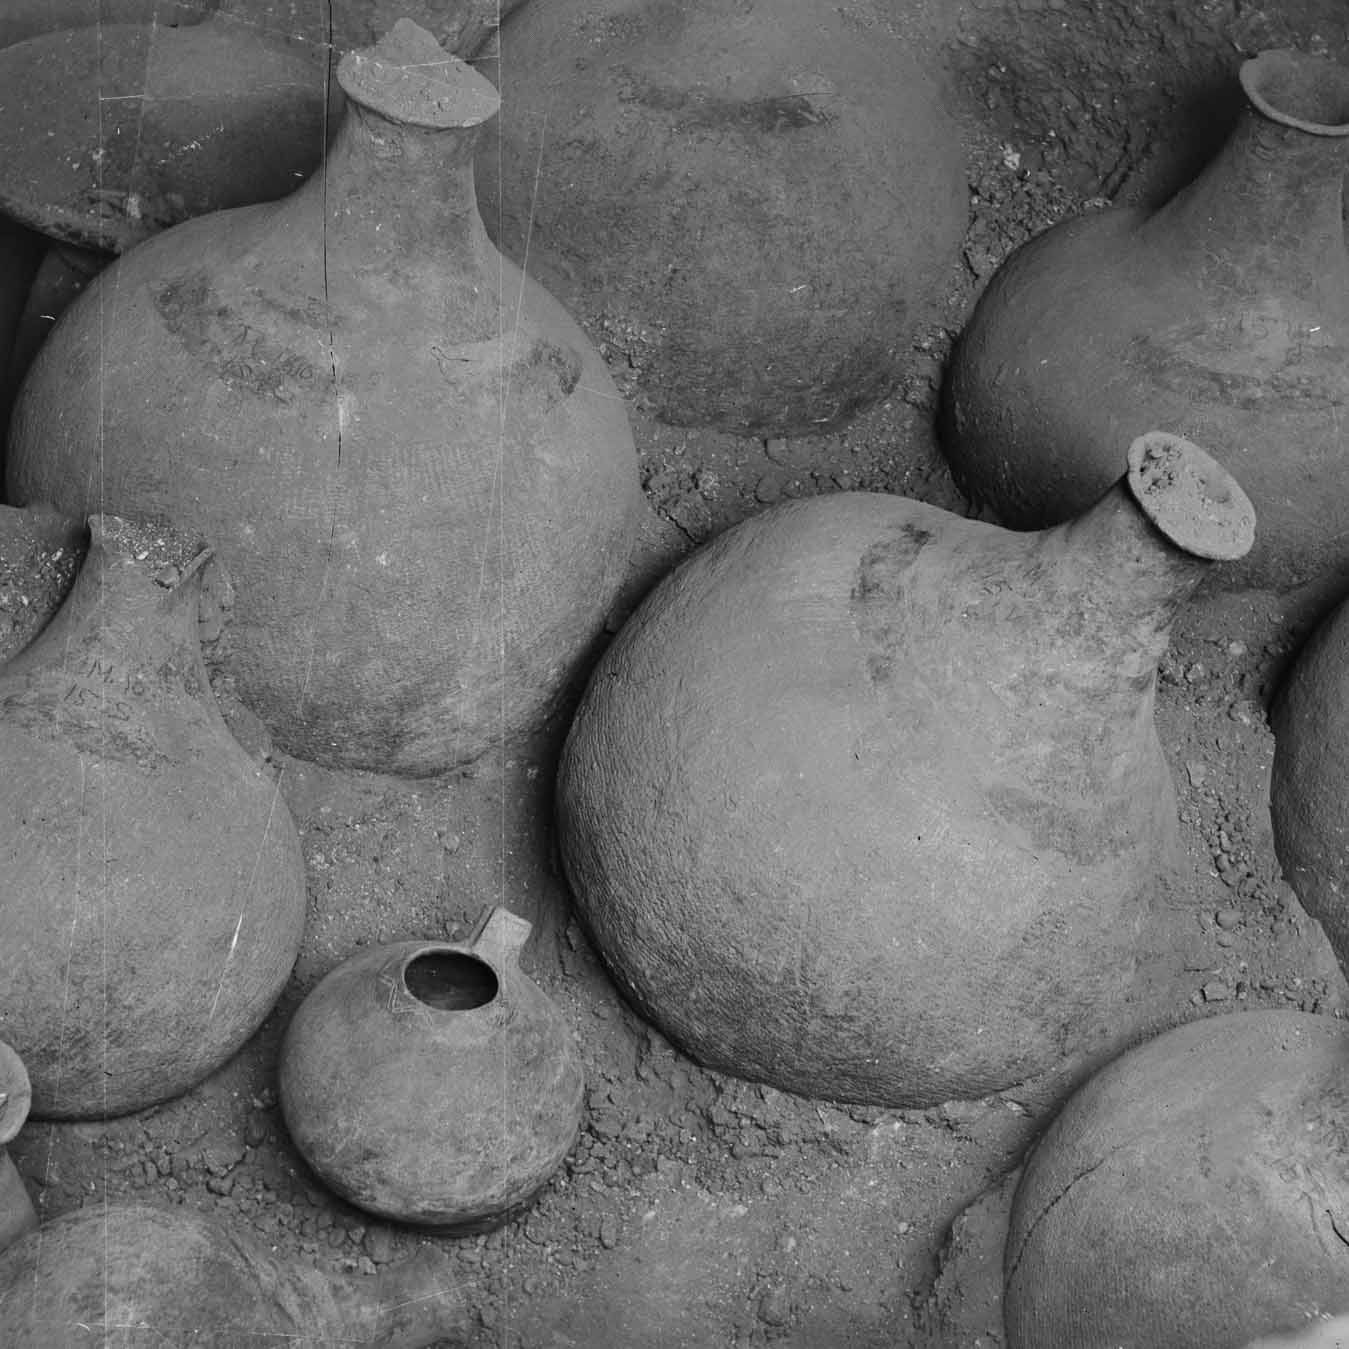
244 355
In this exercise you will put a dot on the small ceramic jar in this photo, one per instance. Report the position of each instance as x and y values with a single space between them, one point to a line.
433 1083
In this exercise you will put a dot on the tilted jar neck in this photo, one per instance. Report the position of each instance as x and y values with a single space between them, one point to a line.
1132 580
1133 559
1271 200
137 611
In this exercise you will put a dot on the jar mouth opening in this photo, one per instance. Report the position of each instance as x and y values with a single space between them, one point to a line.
446 979
1190 497
1310 93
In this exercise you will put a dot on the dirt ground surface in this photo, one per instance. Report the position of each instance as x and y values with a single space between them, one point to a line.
697 1210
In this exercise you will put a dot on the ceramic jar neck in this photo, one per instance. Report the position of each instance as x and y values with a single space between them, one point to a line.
404 191
119 618
1129 563
398 181
1270 204
1131 578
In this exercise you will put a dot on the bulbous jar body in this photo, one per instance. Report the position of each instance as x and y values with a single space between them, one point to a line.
1309 784
134 1273
155 892
756 204
866 802
26 18
119 130
412 462
433 1084
1223 317
21 252
1190 1195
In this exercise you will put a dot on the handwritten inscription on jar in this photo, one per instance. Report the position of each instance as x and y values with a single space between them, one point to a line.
242 352
95 689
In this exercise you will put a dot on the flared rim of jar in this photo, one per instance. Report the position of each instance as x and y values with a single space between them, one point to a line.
445 977
409 78
1299 90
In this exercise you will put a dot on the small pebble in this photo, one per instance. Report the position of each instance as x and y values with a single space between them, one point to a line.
770 489
775 1307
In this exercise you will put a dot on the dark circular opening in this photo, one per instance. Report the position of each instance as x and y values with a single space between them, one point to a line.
450 981
1310 92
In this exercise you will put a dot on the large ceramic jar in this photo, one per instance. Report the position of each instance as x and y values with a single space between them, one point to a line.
433 1083
154 892
865 801
20 19
1309 784
414 465
111 133
758 204
1223 316
125 1274
1191 1196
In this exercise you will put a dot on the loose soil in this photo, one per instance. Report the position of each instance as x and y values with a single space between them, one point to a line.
698 1210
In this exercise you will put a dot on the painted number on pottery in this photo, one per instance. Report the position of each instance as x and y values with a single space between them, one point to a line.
96 699
263 365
